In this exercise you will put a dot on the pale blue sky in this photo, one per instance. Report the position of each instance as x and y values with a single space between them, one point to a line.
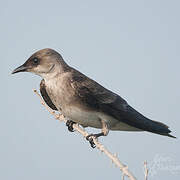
130 47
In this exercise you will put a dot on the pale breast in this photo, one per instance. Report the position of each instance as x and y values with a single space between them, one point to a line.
59 90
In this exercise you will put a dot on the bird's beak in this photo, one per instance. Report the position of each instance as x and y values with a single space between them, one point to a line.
21 68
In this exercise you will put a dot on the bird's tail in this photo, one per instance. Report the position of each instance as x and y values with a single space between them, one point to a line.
135 119
161 129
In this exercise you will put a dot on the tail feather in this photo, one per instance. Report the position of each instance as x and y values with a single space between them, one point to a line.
169 135
135 119
165 131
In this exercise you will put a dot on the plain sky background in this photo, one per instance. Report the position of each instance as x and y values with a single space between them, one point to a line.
131 47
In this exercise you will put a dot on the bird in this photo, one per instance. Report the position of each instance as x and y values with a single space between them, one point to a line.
84 101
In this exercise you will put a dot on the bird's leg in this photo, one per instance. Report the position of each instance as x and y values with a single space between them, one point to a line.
69 124
104 132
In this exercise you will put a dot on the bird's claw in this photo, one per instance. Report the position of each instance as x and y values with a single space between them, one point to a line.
90 139
69 124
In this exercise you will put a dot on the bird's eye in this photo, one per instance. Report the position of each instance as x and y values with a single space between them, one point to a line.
35 60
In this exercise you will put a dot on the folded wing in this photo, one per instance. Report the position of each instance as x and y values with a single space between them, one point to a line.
45 95
103 100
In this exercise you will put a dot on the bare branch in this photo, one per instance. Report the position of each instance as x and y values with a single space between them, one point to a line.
146 171
124 169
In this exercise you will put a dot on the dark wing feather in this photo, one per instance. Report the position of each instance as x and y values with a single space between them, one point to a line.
103 100
45 95
93 94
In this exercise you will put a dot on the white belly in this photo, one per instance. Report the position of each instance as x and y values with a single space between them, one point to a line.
82 117
93 119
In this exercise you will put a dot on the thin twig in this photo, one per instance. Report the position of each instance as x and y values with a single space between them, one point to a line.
146 171
124 169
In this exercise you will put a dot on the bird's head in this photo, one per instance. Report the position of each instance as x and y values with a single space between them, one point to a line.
45 63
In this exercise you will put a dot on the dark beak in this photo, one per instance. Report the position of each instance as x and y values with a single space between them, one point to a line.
21 68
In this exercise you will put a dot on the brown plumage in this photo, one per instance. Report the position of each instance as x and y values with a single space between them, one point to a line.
82 99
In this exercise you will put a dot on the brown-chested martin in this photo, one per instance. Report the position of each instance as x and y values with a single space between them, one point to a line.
83 100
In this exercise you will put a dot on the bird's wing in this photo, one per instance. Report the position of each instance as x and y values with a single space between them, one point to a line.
104 100
95 95
45 95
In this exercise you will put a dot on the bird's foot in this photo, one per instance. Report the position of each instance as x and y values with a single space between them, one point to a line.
90 139
69 124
